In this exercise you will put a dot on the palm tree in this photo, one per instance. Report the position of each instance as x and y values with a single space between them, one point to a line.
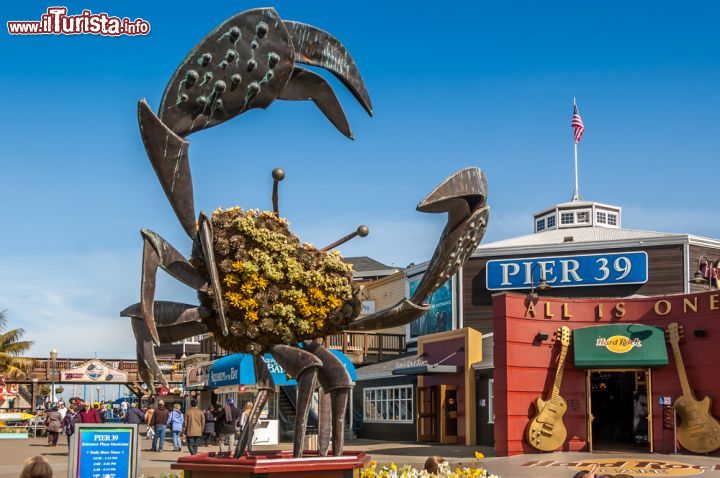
11 347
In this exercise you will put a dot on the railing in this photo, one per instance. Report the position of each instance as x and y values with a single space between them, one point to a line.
361 347
368 346
41 368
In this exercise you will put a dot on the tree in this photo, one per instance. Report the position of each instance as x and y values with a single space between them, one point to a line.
11 348
59 389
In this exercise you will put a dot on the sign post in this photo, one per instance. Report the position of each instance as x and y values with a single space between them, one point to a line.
104 450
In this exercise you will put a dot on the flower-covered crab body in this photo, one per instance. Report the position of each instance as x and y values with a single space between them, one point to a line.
275 288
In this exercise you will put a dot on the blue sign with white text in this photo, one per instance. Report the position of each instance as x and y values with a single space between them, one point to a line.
105 453
568 271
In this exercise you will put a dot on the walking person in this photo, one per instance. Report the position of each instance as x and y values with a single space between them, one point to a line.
245 415
53 422
209 430
229 416
134 415
175 424
149 432
89 414
159 422
193 426
72 417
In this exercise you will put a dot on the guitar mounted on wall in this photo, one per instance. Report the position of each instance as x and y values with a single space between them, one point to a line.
546 431
699 431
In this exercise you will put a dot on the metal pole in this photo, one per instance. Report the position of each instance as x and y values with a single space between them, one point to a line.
576 194
52 390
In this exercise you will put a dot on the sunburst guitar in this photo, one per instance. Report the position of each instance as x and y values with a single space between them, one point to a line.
546 431
699 431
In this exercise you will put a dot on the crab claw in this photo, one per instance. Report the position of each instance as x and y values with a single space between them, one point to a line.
319 48
463 196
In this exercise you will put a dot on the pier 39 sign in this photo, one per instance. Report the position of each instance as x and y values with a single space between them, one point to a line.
568 271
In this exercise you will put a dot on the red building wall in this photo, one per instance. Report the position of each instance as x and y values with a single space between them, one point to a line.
525 368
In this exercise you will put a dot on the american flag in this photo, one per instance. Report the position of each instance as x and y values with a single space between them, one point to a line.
577 125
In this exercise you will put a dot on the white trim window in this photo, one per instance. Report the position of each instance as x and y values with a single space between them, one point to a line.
612 219
540 225
567 218
551 221
601 217
491 409
388 404
583 217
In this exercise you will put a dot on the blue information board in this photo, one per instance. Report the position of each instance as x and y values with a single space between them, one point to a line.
568 271
104 451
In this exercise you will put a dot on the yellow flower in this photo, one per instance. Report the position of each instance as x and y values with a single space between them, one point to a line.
238 266
230 280
479 456
393 466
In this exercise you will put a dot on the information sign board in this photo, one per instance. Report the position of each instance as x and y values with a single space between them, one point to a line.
104 450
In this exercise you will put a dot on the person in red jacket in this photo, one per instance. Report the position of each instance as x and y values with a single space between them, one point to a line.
89 415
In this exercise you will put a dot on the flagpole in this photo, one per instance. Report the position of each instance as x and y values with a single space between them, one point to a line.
576 192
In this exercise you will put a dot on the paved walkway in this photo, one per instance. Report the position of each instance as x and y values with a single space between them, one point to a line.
547 465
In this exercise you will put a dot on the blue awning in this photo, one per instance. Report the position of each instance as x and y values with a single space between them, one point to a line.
237 369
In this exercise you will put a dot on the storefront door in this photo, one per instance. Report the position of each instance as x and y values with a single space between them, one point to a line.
427 414
619 410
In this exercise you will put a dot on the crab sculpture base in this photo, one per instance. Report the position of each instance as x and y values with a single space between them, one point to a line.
272 464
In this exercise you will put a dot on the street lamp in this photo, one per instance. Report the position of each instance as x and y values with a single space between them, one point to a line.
542 285
706 275
53 358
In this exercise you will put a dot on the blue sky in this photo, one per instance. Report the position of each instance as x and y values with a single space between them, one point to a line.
486 84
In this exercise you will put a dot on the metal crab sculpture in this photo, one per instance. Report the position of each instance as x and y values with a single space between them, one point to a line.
247 62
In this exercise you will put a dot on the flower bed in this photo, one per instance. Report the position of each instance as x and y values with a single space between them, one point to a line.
444 470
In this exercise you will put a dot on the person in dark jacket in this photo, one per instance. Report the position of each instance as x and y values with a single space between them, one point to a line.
159 422
134 414
72 417
209 429
228 416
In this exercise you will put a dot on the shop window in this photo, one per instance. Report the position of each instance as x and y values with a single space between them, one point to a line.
388 404
550 221
540 225
567 218
602 217
491 410
612 219
583 217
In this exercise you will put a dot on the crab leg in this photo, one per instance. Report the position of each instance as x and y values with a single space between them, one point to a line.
168 154
206 240
304 366
305 85
157 252
176 321
337 384
463 196
265 386
319 48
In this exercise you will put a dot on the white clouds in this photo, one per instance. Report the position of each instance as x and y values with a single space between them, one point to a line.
72 302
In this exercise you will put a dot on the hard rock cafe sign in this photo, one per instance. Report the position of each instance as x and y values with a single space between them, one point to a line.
618 344
629 466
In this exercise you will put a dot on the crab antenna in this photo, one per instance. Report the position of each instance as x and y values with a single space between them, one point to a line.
361 231
278 175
